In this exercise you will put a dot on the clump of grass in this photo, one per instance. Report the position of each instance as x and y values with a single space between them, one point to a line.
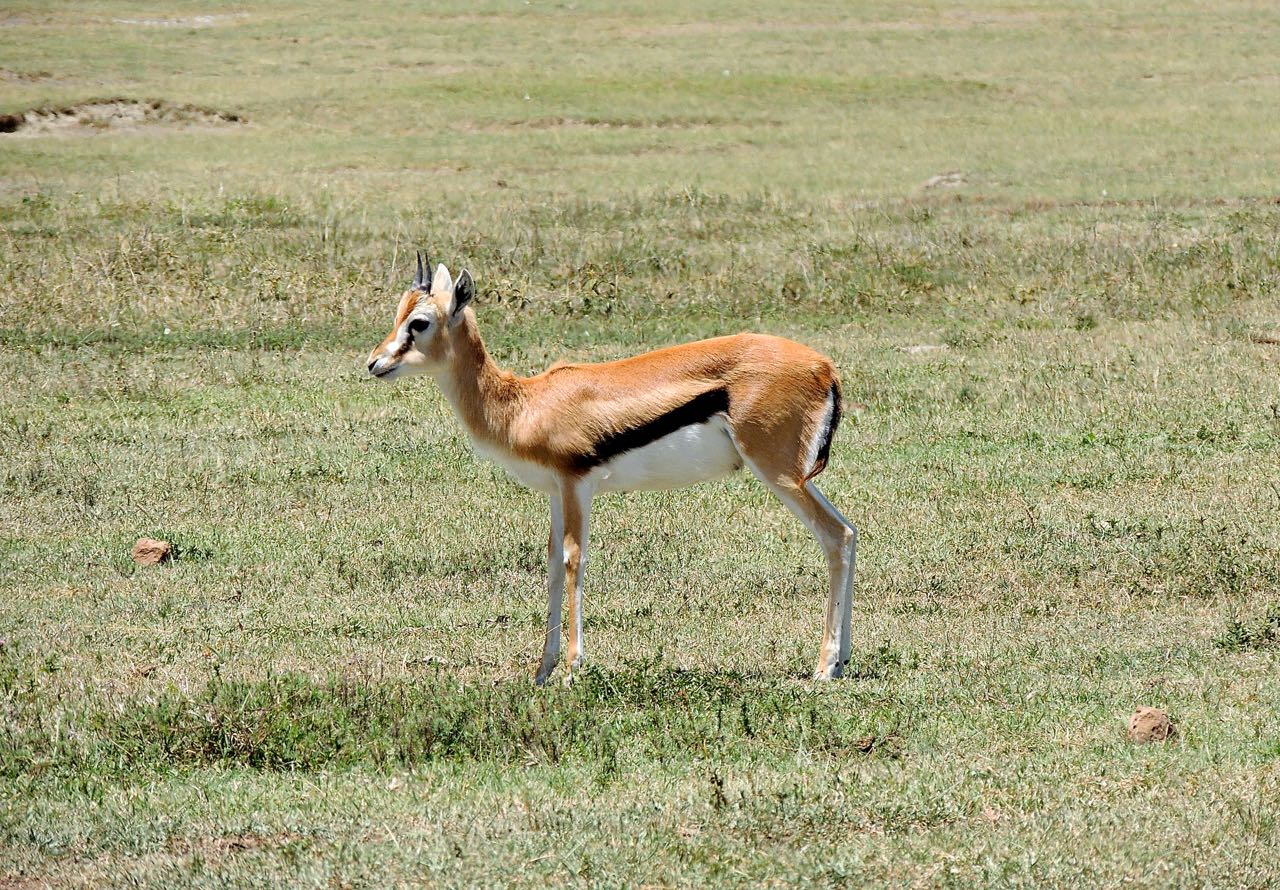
1185 556
1258 633
879 663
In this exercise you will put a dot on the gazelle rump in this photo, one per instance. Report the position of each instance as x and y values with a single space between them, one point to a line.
664 419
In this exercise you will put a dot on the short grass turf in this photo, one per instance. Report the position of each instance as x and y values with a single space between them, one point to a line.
1062 446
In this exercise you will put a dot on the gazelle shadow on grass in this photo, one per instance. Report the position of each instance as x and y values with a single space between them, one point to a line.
640 712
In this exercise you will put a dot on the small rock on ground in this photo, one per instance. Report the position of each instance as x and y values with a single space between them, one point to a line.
150 552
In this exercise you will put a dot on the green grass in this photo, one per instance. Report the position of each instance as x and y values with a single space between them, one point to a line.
1062 447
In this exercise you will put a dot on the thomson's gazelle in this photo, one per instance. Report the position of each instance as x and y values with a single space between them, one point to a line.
660 420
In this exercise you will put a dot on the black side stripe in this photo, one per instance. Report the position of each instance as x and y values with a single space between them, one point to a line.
697 410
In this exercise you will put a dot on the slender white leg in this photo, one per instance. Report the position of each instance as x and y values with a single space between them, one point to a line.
555 592
849 568
838 539
577 512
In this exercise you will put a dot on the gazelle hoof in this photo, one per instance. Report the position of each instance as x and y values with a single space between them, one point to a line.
829 672
571 674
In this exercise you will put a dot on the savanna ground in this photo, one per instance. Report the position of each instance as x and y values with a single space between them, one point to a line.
1062 446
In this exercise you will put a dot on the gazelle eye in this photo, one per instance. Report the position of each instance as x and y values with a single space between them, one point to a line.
418 325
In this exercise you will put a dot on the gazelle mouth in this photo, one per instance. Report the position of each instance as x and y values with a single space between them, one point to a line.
378 369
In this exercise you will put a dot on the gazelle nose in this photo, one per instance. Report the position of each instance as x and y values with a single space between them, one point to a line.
371 364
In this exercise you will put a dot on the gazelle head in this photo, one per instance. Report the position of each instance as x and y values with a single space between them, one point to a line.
427 320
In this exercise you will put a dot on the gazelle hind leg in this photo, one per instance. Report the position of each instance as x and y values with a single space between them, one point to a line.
850 568
839 540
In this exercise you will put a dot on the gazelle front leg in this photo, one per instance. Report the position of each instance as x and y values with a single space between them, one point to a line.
566 565
555 592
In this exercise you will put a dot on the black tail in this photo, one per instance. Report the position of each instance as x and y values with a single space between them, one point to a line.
824 451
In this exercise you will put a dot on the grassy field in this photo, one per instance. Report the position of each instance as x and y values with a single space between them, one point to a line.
1062 364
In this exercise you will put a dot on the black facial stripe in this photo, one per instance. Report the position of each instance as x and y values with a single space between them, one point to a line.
697 410
412 329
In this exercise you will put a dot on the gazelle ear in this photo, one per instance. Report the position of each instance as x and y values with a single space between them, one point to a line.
441 283
463 290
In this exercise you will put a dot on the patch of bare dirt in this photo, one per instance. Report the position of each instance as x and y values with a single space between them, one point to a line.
979 18
230 844
1254 79
108 115
660 148
952 179
439 69
890 744
11 75
22 882
110 868
190 21
720 29
949 21
602 123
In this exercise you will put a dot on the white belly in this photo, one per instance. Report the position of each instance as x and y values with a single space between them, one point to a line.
690 454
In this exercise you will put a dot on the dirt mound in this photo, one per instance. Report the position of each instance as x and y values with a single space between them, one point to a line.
106 115
1150 725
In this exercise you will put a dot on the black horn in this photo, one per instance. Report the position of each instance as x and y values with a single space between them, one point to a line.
418 283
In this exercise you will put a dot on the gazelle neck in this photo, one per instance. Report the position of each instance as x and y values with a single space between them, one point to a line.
483 395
